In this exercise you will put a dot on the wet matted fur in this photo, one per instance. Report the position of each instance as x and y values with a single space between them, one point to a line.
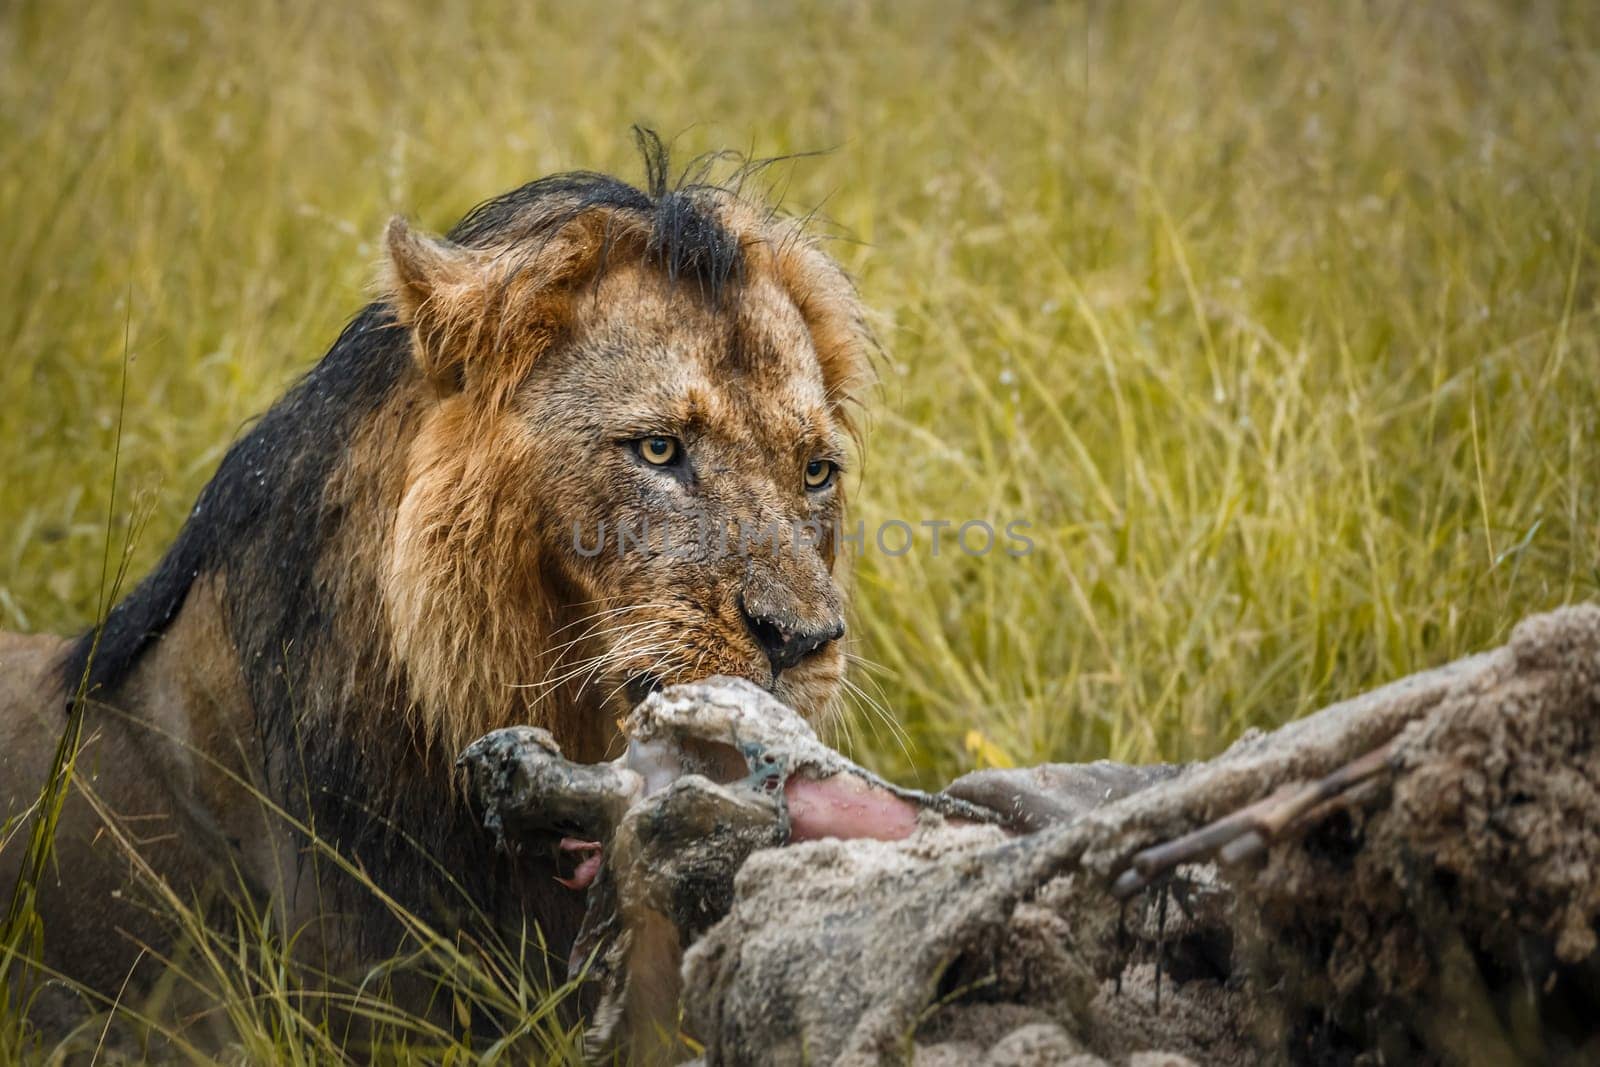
388 564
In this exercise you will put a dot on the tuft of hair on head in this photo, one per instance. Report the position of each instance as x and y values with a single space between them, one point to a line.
484 300
688 238
679 221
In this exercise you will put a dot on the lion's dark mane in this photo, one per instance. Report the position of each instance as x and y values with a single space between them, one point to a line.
262 525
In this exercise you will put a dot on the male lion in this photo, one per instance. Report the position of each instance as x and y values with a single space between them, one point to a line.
399 557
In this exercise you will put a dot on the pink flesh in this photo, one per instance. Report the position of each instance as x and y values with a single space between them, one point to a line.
588 868
844 806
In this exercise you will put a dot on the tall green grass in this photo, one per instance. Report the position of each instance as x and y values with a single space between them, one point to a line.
1276 321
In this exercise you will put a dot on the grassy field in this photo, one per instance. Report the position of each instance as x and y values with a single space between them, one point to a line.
1278 326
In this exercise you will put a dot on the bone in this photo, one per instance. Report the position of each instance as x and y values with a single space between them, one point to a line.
726 731
521 784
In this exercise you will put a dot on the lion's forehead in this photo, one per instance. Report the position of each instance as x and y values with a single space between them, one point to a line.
646 350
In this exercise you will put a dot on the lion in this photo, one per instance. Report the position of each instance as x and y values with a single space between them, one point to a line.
398 557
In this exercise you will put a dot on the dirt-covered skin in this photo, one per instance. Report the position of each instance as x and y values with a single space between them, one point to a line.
1032 798
1458 915
1441 911
1410 876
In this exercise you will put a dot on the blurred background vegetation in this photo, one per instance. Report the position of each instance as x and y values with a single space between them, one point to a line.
1277 321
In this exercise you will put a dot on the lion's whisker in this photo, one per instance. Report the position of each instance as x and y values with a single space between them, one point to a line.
694 669
583 667
597 615
617 656
878 711
627 630
837 718
593 633
870 668
667 655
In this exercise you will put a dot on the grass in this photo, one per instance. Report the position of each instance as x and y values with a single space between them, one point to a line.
1276 321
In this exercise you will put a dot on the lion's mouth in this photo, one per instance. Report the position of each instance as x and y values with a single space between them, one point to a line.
642 685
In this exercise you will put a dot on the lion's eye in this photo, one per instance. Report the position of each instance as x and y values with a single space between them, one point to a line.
819 472
660 451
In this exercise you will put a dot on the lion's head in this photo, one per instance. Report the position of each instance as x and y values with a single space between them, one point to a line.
401 554
628 470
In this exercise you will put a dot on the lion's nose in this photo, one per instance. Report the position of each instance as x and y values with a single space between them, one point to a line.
786 643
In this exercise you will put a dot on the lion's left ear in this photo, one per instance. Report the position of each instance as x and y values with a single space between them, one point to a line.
439 290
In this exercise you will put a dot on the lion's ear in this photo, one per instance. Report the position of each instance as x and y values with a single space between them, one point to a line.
438 289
